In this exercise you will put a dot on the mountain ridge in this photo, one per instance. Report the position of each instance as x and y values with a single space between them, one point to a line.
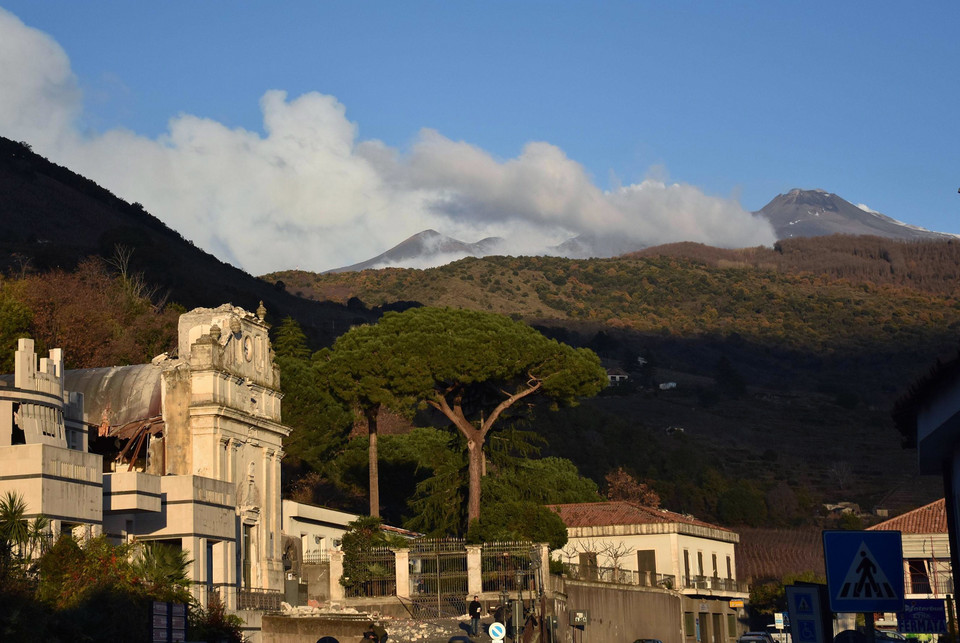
798 213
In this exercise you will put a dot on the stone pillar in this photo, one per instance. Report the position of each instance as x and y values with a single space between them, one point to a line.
336 571
195 552
474 570
6 424
543 557
228 570
402 562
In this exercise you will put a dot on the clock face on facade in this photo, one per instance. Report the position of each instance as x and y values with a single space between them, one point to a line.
247 348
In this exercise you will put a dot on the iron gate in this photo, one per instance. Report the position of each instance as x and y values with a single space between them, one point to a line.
377 570
438 578
508 567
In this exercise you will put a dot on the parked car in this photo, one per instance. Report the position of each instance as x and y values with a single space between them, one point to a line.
648 641
756 637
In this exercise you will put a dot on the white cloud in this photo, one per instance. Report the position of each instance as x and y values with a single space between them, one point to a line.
40 99
308 194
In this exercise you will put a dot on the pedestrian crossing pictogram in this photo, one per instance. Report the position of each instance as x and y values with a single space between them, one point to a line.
864 570
865 578
804 607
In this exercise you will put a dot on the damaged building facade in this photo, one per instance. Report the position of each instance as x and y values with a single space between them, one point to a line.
185 450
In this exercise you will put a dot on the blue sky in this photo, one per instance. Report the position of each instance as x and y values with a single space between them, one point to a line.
653 121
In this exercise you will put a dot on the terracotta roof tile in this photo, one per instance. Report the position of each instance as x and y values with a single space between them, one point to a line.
928 519
617 512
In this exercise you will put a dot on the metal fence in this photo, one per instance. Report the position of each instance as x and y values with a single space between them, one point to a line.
438 577
375 574
508 566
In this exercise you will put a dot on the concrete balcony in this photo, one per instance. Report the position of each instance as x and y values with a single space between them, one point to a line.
62 484
131 491
192 505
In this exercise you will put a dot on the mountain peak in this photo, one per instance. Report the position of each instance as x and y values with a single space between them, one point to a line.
426 249
815 213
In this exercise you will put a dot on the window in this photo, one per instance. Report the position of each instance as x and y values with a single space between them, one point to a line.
699 563
689 625
647 560
731 623
247 553
647 567
686 565
729 568
716 571
209 567
588 565
919 579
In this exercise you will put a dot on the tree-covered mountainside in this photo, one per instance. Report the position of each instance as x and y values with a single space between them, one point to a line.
805 313
786 361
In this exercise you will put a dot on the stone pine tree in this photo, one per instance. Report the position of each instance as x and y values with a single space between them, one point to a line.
471 366
357 370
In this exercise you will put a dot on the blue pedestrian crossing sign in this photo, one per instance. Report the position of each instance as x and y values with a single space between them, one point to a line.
864 570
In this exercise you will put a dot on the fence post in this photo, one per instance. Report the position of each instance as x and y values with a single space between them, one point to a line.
336 571
541 553
474 570
402 572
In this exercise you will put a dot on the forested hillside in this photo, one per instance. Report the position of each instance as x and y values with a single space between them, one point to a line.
848 312
786 362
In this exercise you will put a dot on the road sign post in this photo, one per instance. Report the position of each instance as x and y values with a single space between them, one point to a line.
809 621
864 571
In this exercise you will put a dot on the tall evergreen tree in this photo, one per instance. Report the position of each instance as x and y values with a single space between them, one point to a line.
473 367
320 422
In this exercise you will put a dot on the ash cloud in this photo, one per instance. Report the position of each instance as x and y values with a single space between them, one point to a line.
308 194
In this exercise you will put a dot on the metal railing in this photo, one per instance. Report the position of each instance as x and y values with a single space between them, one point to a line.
259 599
651 579
316 557
617 576
938 583
713 583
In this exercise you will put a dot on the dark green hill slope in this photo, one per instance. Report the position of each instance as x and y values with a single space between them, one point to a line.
786 360
772 317
52 218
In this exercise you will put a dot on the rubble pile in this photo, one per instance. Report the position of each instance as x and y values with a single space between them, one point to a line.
400 630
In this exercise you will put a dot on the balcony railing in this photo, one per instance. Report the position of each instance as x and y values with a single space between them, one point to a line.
259 599
713 583
619 576
316 557
939 583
